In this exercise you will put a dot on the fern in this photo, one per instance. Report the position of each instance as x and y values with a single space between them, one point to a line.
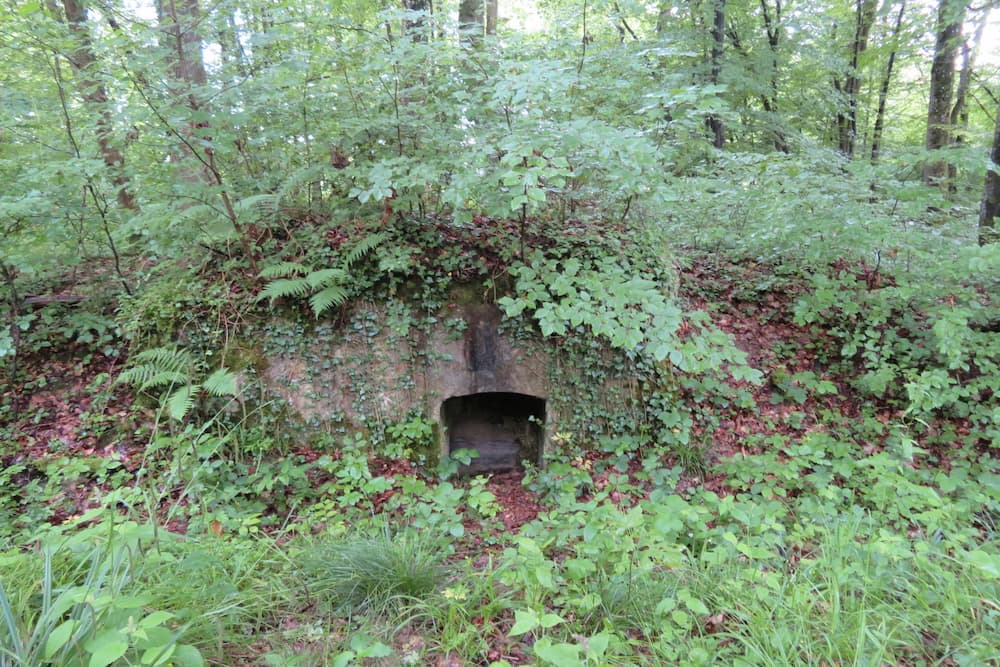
325 277
222 382
250 209
324 287
158 367
175 369
180 402
283 270
276 289
298 178
365 246
334 295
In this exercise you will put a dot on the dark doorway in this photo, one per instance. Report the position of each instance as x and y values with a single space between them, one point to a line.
505 428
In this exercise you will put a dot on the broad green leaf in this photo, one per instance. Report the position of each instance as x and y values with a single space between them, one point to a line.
525 620
106 648
560 655
550 620
988 564
58 637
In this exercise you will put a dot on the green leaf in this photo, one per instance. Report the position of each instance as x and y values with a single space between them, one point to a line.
324 277
597 645
283 270
988 564
560 655
181 401
334 295
277 289
525 620
222 382
157 655
106 648
550 620
58 637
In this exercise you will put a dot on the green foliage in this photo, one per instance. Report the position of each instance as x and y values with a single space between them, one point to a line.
87 617
174 370
324 287
930 356
376 574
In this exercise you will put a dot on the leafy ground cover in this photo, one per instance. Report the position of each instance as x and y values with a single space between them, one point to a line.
801 516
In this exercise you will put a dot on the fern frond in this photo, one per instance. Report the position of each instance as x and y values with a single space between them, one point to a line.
334 295
283 270
158 367
199 213
325 277
181 401
165 358
164 379
277 289
298 178
365 246
256 207
222 382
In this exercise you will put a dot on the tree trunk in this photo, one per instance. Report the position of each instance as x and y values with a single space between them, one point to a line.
95 94
847 121
416 29
883 91
772 25
491 17
959 116
470 21
948 32
718 43
179 19
989 210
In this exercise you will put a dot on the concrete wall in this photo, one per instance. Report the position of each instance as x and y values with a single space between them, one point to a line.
372 369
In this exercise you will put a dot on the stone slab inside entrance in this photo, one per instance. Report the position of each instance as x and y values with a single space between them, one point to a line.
505 428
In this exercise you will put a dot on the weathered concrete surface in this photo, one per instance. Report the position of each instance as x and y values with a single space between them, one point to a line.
378 371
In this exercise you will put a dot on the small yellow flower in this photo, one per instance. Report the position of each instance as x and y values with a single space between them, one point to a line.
454 594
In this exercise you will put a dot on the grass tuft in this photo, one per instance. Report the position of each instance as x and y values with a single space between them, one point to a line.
379 574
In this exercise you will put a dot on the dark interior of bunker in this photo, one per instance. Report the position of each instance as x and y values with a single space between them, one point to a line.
505 428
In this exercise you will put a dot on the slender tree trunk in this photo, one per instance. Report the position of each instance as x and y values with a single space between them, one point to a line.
883 91
470 21
959 116
491 16
95 95
718 43
416 29
180 20
989 210
772 25
847 120
948 32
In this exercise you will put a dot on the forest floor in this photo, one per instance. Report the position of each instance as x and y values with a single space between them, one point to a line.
72 424
66 404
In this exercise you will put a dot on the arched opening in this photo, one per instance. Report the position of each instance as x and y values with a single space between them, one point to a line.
503 427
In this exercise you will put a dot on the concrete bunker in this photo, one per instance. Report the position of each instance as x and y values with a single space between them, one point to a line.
505 428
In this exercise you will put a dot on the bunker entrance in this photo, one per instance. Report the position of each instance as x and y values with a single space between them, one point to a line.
505 428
